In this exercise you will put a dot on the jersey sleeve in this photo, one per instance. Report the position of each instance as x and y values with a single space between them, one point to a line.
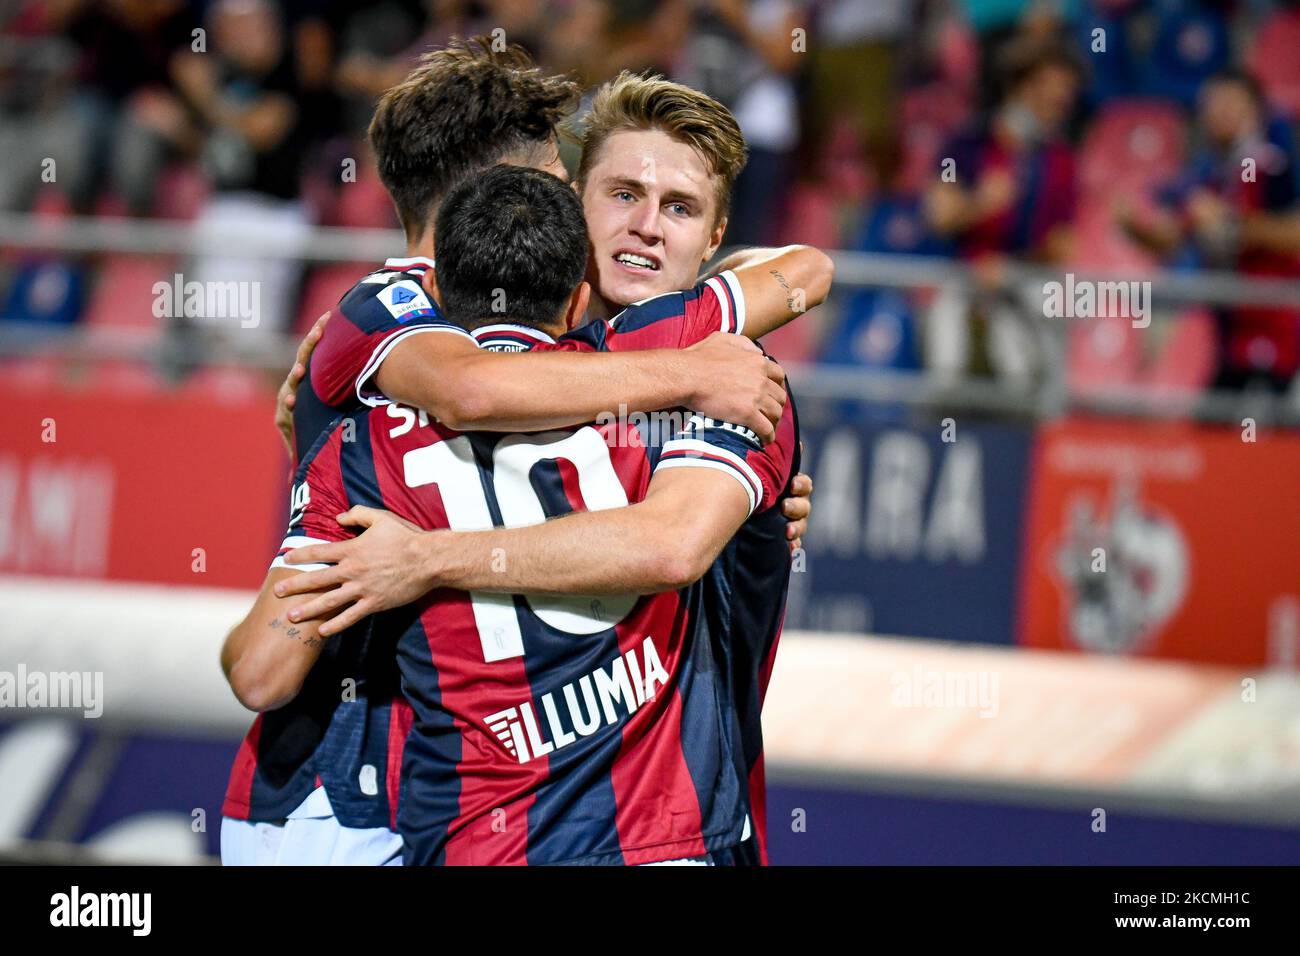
763 471
677 320
317 498
364 328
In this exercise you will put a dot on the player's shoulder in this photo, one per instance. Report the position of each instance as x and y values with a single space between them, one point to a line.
656 308
720 294
592 337
392 294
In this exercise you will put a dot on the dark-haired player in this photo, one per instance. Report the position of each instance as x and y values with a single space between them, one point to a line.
549 731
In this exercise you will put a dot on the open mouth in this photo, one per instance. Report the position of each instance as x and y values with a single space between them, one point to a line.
636 262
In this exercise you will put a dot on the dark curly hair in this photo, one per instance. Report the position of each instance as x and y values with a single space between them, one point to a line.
465 108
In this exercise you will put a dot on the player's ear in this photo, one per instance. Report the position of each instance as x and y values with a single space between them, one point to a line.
715 239
578 301
430 282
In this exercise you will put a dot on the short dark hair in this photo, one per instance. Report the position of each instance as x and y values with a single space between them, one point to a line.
466 107
512 246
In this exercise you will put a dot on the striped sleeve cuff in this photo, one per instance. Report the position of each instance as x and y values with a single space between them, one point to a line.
373 397
731 299
297 541
696 453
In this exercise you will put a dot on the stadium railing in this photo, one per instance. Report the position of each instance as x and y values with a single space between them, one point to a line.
1051 395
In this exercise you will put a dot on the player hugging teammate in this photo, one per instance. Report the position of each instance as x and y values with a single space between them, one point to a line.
503 714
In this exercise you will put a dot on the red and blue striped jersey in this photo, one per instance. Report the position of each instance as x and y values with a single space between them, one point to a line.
547 730
745 597
277 765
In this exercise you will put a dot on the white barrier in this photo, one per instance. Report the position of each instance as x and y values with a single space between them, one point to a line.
940 716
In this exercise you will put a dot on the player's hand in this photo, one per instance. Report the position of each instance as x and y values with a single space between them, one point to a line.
796 508
371 573
735 382
288 394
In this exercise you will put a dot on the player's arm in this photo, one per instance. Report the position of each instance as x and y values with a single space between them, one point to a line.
266 657
778 284
663 542
468 388
666 541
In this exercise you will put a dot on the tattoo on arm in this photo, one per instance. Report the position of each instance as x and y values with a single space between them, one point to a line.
790 301
295 633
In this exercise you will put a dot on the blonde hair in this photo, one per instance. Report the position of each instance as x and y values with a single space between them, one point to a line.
631 102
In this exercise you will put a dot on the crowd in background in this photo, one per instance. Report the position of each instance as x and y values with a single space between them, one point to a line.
1079 133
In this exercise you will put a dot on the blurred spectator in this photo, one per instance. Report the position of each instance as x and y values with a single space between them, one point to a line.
245 91
124 121
1008 191
995 23
379 46
1237 206
743 53
878 326
854 65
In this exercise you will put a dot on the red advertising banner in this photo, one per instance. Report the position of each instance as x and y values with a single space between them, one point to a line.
180 487
1164 540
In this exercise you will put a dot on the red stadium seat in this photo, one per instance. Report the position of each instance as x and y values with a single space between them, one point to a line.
1131 145
1103 353
1187 359
124 296
365 204
1101 244
323 288
1274 62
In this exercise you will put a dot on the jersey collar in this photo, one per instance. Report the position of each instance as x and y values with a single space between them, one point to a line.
506 336
412 262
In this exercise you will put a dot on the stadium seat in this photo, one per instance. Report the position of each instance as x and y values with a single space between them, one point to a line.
1101 244
364 204
323 288
1274 62
1131 145
1186 361
1103 353
123 295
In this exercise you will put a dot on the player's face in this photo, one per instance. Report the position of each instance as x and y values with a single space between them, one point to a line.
650 207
